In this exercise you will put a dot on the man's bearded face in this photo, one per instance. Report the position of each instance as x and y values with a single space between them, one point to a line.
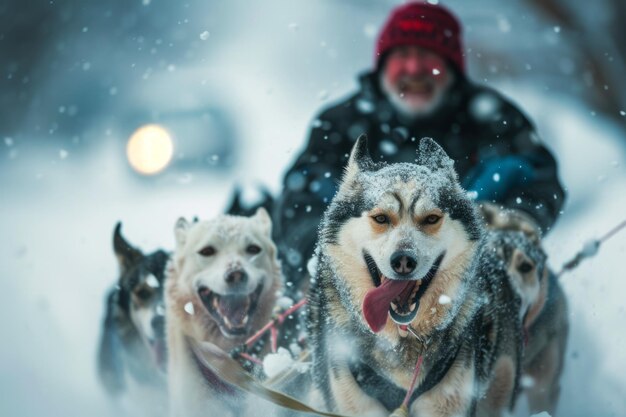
415 80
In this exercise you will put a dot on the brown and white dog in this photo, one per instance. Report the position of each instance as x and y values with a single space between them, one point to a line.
528 314
545 321
222 287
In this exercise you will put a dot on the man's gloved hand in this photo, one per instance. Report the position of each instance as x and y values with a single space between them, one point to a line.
502 218
493 179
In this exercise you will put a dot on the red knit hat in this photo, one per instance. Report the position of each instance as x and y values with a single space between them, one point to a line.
422 24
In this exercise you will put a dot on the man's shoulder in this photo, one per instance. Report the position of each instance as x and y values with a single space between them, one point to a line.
488 105
358 101
339 109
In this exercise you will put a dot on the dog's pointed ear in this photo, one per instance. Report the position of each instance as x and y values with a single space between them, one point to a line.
360 160
125 253
264 220
180 231
432 156
235 206
360 155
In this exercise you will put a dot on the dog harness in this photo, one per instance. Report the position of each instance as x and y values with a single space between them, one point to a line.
372 383
214 382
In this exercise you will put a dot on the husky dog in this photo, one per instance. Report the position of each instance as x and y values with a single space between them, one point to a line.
397 279
133 337
507 264
525 264
514 263
544 355
545 324
221 288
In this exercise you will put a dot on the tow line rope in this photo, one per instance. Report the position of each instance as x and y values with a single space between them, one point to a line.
589 249
230 372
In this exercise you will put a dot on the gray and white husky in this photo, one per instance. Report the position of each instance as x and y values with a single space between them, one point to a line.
397 278
132 345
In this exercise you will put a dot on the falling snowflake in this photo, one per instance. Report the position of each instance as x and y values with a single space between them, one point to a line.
365 106
444 299
527 381
152 281
369 30
189 308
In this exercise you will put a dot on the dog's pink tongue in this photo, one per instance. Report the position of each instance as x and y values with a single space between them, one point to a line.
377 300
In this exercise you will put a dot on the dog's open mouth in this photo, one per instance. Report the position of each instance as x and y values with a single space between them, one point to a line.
398 299
231 311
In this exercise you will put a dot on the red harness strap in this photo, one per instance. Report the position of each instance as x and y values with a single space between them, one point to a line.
272 327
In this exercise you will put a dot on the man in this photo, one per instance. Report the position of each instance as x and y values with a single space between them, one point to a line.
419 88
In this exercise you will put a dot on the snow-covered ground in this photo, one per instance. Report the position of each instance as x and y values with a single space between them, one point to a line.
59 206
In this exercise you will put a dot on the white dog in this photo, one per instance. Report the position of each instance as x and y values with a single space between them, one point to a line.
221 288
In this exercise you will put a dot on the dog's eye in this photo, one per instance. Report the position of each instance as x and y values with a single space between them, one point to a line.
207 251
432 219
143 294
253 249
381 219
525 267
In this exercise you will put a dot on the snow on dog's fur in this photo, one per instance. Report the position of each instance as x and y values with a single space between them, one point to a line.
221 289
395 239
403 272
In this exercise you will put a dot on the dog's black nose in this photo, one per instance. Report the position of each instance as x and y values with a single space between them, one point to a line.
403 263
236 277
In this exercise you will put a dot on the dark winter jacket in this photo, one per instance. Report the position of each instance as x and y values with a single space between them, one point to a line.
496 151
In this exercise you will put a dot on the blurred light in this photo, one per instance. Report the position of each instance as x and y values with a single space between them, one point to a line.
150 149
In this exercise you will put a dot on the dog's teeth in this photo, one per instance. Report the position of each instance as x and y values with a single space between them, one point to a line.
394 306
245 320
412 307
226 321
